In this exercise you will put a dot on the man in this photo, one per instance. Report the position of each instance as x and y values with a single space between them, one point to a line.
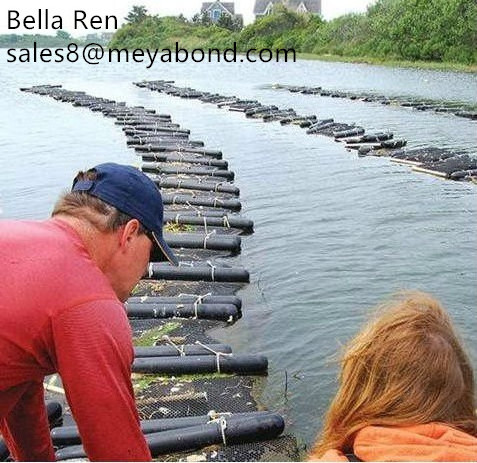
62 281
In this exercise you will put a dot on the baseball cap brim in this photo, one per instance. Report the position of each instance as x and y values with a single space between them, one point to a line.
163 250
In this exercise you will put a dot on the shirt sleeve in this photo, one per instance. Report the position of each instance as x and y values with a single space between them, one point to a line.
94 355
25 429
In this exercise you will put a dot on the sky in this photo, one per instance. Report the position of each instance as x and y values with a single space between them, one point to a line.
120 8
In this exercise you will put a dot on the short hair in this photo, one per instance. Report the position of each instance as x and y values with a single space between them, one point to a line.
406 367
82 205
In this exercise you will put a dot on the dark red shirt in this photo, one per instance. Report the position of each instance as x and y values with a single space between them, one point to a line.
58 313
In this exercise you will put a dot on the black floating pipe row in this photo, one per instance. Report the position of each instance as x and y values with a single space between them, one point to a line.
225 312
157 168
456 108
211 242
206 201
69 435
225 220
465 167
181 350
178 183
230 430
200 272
239 364
161 157
187 299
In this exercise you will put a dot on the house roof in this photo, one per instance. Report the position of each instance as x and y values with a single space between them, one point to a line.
229 6
313 6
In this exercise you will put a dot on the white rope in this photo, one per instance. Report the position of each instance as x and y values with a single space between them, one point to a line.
217 354
180 349
226 221
150 270
207 236
213 267
217 185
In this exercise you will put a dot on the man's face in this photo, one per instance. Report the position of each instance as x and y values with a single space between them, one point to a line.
132 258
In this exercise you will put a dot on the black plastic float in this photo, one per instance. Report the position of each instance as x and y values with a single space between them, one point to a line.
181 183
212 242
224 312
206 201
69 435
181 350
205 220
187 299
198 272
225 430
156 168
161 157
239 364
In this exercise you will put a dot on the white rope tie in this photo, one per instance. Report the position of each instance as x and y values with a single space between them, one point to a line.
150 270
180 349
207 236
226 221
174 200
177 219
217 185
217 354
213 267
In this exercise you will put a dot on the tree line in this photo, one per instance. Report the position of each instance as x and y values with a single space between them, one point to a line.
427 30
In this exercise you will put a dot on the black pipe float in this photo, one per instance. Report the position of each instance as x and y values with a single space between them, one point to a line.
210 272
184 349
223 312
369 138
319 127
187 299
393 144
218 187
241 364
54 412
232 204
162 157
223 431
227 221
158 147
210 242
348 133
184 142
155 168
69 435
461 174
169 131
198 211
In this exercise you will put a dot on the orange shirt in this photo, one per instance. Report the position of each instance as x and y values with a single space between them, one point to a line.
426 442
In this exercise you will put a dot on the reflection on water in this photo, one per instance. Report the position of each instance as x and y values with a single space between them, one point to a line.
334 234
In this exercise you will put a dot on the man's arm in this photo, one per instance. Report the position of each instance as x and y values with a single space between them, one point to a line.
25 429
94 355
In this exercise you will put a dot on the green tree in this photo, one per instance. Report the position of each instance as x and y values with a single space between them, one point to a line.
137 14
225 21
63 35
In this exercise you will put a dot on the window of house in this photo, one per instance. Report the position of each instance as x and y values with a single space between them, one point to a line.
216 14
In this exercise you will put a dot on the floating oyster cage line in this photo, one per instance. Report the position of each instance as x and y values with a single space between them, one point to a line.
200 201
452 107
463 167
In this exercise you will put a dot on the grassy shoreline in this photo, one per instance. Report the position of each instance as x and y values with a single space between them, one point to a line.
428 65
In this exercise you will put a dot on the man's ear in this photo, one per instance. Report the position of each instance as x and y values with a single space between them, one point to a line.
128 232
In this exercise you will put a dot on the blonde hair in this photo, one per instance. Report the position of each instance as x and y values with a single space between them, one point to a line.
406 367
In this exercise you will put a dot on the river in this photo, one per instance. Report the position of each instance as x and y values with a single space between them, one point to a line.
334 233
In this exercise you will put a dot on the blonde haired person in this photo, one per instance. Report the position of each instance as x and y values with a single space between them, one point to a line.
406 390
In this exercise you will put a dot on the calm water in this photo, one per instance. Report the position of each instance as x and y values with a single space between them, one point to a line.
334 234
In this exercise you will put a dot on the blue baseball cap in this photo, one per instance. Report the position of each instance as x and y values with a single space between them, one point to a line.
132 192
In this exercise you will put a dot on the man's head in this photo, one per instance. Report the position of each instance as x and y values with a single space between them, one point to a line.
125 208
